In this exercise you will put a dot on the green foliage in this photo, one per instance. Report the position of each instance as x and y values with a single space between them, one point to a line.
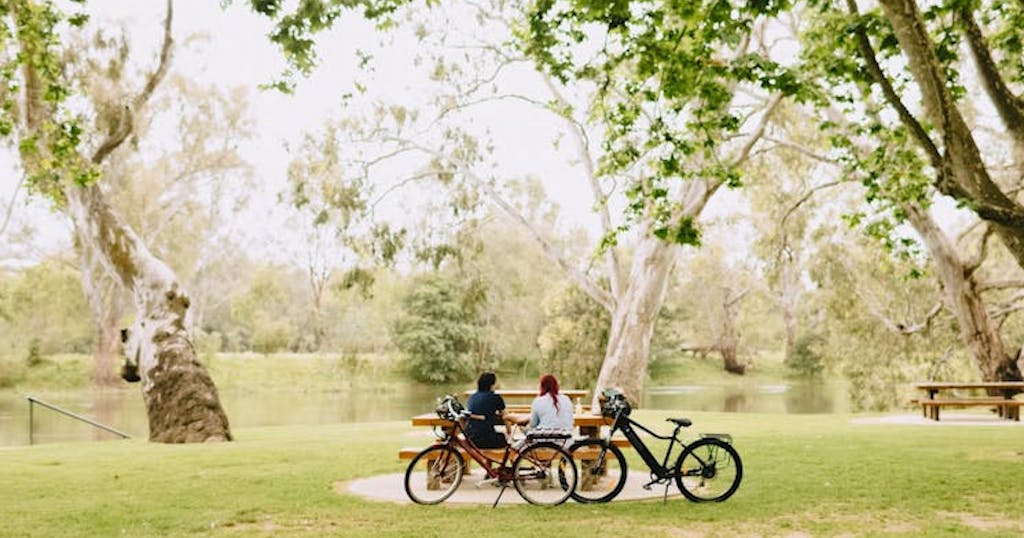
47 135
436 331
807 359
862 293
44 306
574 337
34 358
667 74
296 27
262 312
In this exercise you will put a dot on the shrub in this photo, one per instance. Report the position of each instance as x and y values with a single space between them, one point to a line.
574 338
435 333
806 359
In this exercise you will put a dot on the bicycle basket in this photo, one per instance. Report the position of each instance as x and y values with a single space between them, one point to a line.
613 402
449 407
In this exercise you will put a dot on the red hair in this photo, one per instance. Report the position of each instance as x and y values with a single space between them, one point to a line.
549 385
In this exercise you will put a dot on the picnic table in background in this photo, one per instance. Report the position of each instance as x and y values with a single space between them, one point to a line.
516 396
1005 405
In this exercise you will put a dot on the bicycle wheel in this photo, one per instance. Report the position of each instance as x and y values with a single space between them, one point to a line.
708 470
544 474
602 470
434 474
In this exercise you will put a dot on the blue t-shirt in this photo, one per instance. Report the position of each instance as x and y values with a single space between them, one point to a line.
487 404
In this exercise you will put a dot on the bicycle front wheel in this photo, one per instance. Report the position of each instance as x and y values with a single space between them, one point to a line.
602 469
434 475
544 474
708 470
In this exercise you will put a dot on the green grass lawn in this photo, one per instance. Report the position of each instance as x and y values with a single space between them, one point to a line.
804 476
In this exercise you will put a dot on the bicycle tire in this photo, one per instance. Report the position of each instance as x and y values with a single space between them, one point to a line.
601 479
434 474
709 470
544 474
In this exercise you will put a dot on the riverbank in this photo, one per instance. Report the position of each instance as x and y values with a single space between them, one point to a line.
326 372
815 475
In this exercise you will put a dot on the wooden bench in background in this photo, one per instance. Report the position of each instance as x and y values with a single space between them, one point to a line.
1008 409
1006 406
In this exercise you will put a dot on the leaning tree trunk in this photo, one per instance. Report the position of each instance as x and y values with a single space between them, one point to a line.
634 318
181 399
977 330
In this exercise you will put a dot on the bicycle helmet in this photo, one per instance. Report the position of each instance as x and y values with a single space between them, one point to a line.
613 402
449 407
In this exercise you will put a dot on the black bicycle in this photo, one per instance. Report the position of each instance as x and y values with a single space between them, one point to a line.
708 469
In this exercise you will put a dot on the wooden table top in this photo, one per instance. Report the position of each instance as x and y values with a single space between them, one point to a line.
530 393
585 420
935 385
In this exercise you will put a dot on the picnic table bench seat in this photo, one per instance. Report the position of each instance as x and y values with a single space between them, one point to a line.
1009 409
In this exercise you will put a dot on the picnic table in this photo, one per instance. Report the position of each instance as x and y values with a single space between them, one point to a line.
527 396
1005 405
588 425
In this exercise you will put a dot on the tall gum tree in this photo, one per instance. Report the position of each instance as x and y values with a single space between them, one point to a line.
675 126
181 399
905 159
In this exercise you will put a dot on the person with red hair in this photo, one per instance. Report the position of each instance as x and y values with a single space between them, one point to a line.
550 410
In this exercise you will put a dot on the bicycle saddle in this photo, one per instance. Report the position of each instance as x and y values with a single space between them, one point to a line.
684 422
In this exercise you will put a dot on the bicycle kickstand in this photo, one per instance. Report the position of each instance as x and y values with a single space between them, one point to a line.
504 486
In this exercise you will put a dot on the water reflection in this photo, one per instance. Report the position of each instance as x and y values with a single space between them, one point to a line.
797 398
123 409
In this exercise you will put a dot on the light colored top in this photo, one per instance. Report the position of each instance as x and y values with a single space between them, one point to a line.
544 415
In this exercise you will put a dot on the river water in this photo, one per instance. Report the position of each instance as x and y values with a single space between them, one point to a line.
123 410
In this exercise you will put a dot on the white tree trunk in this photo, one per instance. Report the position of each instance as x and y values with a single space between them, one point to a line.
181 399
634 318
977 331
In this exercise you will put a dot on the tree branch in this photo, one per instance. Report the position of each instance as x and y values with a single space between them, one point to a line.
127 124
602 296
758 133
1009 106
973 265
582 142
875 70
1000 285
10 205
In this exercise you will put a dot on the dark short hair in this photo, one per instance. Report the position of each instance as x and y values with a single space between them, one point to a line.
486 381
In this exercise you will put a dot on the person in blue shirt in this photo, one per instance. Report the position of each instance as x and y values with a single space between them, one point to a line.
491 406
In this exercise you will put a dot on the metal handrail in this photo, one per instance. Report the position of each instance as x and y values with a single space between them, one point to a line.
32 400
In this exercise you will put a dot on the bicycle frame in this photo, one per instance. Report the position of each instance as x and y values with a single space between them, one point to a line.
469 447
662 470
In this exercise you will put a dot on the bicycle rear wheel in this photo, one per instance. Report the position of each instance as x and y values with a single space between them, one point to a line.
602 470
434 475
544 474
708 470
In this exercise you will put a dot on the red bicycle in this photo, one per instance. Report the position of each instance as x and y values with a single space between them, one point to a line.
539 468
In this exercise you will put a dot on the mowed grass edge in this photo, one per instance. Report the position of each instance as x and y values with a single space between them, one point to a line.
804 475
